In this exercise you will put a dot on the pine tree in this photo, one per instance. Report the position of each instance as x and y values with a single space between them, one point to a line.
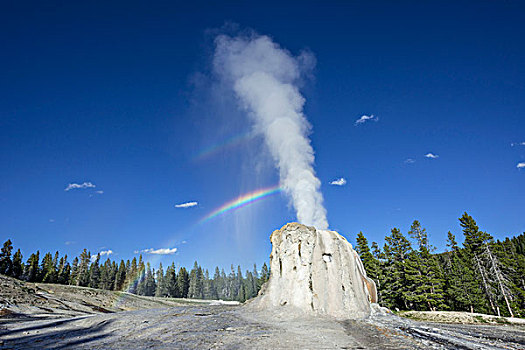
379 256
94 273
239 285
474 243
73 277
370 263
250 291
149 282
422 271
183 282
396 250
173 285
200 283
106 281
161 291
141 278
218 284
223 294
120 278
31 270
196 285
131 277
61 266
6 264
83 269
18 266
265 275
207 285
48 271
113 276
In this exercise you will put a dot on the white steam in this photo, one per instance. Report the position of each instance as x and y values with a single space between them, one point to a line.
265 79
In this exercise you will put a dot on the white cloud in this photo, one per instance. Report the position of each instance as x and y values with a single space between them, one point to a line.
409 161
520 165
51 220
102 253
69 242
186 205
99 192
106 252
366 118
339 182
518 144
160 251
72 186
431 155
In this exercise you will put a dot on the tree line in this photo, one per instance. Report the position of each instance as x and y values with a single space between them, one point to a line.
133 276
483 275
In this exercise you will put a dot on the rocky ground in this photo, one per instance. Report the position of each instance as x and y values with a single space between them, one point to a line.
60 317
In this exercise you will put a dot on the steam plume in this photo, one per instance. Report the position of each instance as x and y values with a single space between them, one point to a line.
265 79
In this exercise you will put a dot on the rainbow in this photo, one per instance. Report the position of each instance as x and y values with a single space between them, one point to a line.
129 286
225 144
242 201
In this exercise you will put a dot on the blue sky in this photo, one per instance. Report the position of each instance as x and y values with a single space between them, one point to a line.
122 96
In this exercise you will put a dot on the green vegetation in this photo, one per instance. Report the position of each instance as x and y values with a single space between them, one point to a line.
134 277
483 276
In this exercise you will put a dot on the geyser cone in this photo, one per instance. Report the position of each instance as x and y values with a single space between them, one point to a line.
316 271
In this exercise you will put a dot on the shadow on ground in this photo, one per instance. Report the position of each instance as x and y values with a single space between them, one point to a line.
52 335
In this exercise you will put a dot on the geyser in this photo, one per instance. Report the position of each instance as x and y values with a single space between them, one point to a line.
316 271
265 79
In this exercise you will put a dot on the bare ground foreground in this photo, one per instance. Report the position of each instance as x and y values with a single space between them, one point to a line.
45 316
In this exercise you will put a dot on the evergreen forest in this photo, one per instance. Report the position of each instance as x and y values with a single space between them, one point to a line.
483 275
135 277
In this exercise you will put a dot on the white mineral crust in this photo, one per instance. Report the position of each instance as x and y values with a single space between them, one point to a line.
316 271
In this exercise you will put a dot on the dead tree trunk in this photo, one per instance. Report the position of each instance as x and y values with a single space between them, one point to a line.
484 280
499 278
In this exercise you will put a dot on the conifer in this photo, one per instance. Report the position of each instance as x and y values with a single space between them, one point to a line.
120 278
396 251
31 270
18 266
6 264
94 273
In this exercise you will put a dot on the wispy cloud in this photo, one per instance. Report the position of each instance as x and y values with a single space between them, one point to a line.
160 251
409 161
365 118
51 220
186 205
431 155
339 182
69 242
520 165
102 253
73 186
518 144
96 192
